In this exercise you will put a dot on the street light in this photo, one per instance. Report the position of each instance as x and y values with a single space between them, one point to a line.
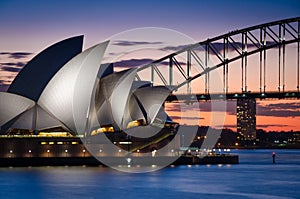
48 151
83 152
66 152
29 151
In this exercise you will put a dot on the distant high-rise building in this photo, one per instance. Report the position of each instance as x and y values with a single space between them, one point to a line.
246 118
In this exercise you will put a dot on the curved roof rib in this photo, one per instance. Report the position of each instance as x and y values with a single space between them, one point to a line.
68 94
33 78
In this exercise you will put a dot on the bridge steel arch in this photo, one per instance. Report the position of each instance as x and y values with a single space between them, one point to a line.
243 43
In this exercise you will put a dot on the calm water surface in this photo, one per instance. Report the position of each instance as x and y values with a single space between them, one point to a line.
255 177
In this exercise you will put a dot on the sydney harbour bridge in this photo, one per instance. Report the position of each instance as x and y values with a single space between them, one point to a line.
258 62
261 51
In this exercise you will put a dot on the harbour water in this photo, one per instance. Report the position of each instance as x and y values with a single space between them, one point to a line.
255 177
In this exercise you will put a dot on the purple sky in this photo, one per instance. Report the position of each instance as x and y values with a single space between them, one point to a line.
32 25
27 27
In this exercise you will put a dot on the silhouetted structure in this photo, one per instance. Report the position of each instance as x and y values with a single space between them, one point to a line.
273 157
246 118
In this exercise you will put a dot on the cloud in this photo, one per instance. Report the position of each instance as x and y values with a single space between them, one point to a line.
228 126
272 125
233 126
291 106
140 62
279 109
276 110
134 43
174 48
4 84
217 106
133 62
12 66
177 107
185 118
219 46
16 64
10 69
16 55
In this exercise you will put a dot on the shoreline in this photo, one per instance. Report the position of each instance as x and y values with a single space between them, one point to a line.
136 161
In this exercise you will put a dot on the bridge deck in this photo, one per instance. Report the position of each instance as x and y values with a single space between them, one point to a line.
230 96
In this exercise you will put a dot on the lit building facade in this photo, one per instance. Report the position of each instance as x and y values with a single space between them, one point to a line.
246 118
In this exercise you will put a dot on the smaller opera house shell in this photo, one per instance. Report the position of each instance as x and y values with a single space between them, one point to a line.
63 87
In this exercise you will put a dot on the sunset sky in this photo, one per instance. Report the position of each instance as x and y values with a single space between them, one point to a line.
28 27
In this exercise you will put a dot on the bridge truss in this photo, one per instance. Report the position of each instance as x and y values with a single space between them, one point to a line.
236 45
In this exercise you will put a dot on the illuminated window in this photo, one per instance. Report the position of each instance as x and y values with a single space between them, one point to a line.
125 142
44 143
54 134
104 129
136 123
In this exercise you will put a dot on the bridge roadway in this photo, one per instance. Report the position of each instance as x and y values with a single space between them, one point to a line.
232 96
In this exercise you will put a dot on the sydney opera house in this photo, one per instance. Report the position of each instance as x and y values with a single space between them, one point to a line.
64 93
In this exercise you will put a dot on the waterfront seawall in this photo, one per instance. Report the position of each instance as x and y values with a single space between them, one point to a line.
91 161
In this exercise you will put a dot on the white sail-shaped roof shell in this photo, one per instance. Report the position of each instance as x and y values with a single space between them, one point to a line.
113 96
150 99
68 94
146 103
117 103
119 97
36 119
12 105
35 75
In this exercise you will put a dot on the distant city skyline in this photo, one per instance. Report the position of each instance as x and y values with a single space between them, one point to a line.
27 27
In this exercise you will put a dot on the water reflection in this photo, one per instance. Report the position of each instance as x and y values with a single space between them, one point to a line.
254 177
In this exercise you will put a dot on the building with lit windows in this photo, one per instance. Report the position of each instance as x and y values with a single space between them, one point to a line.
246 118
